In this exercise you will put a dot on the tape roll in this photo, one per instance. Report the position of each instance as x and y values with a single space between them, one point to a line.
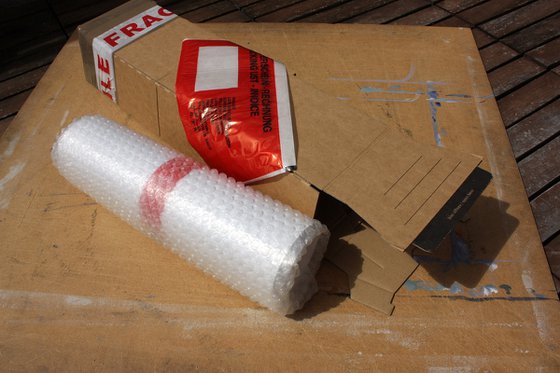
267 251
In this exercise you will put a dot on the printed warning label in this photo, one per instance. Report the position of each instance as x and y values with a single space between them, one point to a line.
235 108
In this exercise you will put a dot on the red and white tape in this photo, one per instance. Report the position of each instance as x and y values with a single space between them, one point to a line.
119 36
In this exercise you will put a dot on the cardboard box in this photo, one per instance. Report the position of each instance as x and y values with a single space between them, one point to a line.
377 189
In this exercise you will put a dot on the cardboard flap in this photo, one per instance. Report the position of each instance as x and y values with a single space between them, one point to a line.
396 184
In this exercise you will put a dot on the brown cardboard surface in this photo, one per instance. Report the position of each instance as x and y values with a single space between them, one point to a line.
81 290
339 148
394 183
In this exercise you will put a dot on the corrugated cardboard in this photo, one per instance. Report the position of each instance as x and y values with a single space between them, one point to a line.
400 187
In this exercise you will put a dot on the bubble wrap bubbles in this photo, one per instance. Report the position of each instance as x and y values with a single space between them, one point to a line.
256 245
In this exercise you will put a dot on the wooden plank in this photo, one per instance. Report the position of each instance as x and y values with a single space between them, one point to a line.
453 21
455 6
490 9
5 123
496 54
535 35
296 11
529 98
88 11
211 11
183 7
237 16
546 212
21 82
423 17
261 8
547 54
243 3
519 18
535 129
552 250
541 167
26 28
390 12
11 105
481 38
513 74
344 11
32 56
16 9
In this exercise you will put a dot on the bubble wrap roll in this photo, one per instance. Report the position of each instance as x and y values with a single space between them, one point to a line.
256 245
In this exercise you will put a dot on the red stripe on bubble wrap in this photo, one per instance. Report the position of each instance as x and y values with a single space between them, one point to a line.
159 185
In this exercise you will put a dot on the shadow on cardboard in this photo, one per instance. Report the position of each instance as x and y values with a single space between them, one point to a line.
470 250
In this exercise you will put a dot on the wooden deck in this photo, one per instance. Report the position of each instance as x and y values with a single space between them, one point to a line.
519 41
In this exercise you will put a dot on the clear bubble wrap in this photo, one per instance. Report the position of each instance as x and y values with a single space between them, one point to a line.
264 249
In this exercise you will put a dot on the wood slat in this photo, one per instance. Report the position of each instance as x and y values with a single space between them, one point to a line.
345 11
535 129
423 17
86 12
513 74
236 16
519 18
21 82
264 7
390 12
546 211
541 167
11 10
552 250
496 54
299 10
26 28
4 124
182 7
211 11
453 21
547 54
455 6
11 105
490 9
32 56
535 35
529 98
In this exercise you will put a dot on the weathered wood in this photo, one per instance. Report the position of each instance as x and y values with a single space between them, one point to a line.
390 12
513 74
32 55
519 18
182 7
21 82
299 10
552 250
489 10
4 124
237 16
426 16
11 105
547 54
529 98
78 15
546 211
12 10
496 54
535 129
535 35
541 167
211 11
344 11
24 29
264 7
455 6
